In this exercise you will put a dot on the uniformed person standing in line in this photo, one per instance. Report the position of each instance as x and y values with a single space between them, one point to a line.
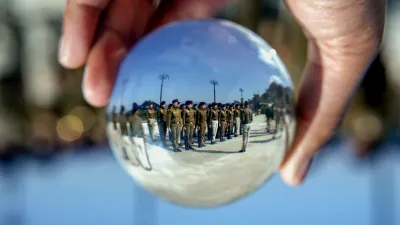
247 119
151 121
189 124
182 136
222 122
135 124
201 123
237 116
122 120
209 130
114 117
282 115
162 123
277 118
174 124
169 133
241 125
269 113
231 120
213 122
138 140
137 136
195 108
219 127
123 128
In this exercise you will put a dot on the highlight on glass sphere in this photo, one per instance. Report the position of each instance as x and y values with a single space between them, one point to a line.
202 112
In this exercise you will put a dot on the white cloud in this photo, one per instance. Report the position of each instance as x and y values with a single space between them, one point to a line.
275 79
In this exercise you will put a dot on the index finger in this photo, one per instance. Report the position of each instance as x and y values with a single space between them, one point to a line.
79 27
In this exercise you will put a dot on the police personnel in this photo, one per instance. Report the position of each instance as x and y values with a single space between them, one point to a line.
123 128
188 121
269 113
247 118
114 117
241 108
209 130
182 136
135 124
222 122
169 133
231 120
123 122
195 108
151 121
201 123
174 124
162 123
237 116
213 122
277 113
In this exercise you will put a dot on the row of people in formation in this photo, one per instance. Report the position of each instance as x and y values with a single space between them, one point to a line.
177 123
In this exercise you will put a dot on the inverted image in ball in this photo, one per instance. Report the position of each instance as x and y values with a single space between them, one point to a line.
202 112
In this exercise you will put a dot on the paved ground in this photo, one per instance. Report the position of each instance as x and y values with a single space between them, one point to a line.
211 176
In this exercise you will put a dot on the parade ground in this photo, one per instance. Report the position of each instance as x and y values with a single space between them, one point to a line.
208 176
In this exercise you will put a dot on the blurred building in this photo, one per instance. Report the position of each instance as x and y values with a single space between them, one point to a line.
43 104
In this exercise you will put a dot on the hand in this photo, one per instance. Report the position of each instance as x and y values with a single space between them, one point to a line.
344 37
115 34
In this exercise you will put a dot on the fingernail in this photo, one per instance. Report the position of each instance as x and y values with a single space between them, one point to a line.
296 169
63 51
71 52
86 89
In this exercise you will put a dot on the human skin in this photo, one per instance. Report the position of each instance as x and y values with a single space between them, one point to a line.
343 38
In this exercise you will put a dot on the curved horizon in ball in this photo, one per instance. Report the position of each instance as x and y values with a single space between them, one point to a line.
231 121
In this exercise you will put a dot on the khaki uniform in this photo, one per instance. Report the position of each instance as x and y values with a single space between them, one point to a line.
151 122
209 130
123 124
214 124
114 120
162 114
237 117
223 117
247 118
269 113
201 122
196 110
241 124
188 120
174 122
135 126
231 122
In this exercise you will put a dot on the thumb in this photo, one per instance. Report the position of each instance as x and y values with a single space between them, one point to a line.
336 63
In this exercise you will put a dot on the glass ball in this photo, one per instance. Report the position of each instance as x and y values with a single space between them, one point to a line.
202 112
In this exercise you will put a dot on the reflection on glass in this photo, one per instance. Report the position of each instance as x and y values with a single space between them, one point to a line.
202 112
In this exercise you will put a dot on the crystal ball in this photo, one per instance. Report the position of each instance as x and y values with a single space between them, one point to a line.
202 112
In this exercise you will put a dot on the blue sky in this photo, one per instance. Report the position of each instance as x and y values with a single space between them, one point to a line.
193 53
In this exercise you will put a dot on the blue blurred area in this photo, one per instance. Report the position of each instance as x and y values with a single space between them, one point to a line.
91 188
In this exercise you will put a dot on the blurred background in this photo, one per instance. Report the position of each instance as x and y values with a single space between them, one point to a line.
56 166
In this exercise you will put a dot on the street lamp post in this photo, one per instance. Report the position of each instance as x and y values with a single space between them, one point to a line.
124 82
162 77
241 95
214 83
